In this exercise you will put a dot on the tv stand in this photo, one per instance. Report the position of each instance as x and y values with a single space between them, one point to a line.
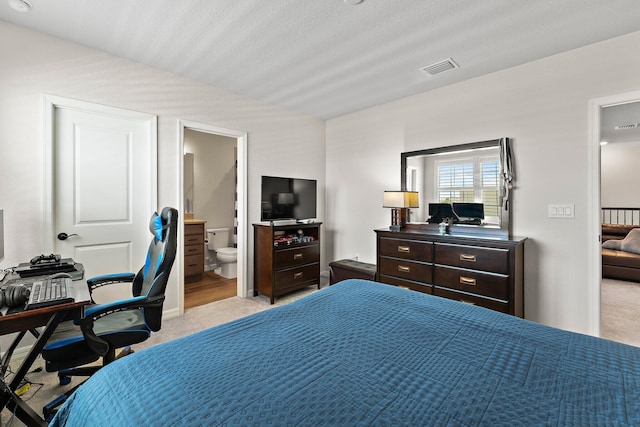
286 258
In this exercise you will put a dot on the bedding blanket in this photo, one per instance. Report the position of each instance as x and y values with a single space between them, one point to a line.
361 353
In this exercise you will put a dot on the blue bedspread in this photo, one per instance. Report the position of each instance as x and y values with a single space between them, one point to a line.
362 354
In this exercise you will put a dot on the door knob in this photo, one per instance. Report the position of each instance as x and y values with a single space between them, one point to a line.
65 236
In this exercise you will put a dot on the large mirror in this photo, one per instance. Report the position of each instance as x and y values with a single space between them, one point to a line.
188 182
469 185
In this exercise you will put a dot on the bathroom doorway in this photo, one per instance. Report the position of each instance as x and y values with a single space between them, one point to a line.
213 194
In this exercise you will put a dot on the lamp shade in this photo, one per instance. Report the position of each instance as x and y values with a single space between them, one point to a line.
400 199
285 198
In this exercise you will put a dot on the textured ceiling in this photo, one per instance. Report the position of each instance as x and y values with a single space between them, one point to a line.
326 58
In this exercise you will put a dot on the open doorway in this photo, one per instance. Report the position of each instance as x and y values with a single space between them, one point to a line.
213 194
620 216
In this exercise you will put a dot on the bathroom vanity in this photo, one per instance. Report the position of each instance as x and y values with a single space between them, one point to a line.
193 249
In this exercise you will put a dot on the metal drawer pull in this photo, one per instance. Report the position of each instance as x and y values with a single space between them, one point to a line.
297 256
467 281
470 258
467 302
297 275
404 269
404 249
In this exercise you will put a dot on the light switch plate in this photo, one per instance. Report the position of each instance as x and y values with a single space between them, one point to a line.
563 210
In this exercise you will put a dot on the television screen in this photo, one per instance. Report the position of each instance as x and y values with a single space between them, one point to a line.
469 210
288 198
440 211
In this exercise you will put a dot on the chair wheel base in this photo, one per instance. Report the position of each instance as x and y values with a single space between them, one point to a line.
65 380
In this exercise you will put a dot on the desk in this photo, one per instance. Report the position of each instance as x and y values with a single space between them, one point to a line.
27 321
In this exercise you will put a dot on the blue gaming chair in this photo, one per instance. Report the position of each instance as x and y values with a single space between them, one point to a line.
108 327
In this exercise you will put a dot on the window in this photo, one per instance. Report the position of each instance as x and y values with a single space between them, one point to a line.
470 180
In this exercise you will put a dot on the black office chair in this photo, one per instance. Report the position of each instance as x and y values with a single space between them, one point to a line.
108 327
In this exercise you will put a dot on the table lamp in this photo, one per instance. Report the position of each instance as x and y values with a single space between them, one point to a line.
399 202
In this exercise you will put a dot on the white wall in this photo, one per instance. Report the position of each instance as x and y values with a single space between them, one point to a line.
34 64
620 175
543 107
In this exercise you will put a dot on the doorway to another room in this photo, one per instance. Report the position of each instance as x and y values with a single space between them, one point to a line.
213 245
620 213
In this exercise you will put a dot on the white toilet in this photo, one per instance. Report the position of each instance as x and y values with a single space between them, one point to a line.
218 241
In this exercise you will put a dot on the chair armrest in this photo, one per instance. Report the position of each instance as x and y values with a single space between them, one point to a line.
108 279
97 312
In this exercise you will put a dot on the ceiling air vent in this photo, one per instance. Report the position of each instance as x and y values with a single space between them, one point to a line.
623 127
439 67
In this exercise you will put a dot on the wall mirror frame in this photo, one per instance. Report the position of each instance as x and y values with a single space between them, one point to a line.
500 225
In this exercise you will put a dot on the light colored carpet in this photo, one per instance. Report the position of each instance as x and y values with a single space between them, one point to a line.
620 311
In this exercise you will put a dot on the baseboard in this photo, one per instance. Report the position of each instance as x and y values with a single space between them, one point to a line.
168 314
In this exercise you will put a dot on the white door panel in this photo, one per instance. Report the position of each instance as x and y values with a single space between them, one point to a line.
103 178
107 259
104 188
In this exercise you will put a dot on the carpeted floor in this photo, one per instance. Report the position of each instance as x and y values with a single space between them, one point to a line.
620 311
620 321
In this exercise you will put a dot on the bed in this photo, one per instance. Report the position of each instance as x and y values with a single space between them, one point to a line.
364 353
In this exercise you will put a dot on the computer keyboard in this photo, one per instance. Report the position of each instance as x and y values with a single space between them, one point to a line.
50 291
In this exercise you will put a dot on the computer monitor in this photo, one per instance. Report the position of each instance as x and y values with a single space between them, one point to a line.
469 210
440 211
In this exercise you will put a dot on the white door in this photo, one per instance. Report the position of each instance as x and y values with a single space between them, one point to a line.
104 188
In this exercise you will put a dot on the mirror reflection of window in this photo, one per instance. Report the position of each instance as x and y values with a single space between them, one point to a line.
470 179
476 176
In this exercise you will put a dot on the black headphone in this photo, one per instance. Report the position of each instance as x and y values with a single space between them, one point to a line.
14 295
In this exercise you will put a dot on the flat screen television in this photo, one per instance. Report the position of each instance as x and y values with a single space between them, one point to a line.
469 210
288 198
439 211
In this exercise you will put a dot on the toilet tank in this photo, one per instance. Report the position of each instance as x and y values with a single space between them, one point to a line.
217 238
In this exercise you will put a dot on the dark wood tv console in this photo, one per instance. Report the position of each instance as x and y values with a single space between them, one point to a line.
283 264
478 270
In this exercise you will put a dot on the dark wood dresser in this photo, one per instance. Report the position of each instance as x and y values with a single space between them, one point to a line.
484 271
286 258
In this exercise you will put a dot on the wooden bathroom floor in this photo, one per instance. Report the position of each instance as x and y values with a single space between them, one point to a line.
211 288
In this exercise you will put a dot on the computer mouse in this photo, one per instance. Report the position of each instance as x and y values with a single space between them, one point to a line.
60 275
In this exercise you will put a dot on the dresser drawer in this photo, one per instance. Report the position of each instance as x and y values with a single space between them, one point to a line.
407 249
193 239
405 269
297 276
194 249
197 228
471 299
473 257
292 257
408 284
193 264
486 284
